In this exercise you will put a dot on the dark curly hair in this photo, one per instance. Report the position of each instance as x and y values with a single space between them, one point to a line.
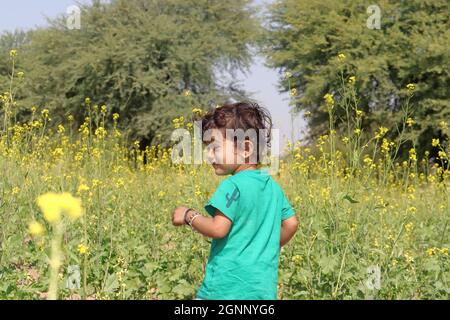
241 115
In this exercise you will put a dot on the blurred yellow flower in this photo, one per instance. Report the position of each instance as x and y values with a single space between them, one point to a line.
412 209
71 205
296 259
352 80
410 86
58 153
83 188
293 92
53 205
61 129
412 154
341 56
408 257
100 132
45 113
383 131
35 228
408 227
410 122
435 142
83 249
442 155
329 100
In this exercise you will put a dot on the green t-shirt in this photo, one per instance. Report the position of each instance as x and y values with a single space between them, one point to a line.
244 264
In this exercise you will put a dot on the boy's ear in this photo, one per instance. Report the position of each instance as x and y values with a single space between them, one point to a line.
249 149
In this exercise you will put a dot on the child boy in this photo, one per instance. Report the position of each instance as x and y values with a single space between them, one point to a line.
251 218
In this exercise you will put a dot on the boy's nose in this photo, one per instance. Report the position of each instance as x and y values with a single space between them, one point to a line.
211 157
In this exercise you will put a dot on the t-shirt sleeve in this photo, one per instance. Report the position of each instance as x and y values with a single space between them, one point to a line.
286 208
226 199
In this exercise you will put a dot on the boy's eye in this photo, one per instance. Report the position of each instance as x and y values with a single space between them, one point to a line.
214 147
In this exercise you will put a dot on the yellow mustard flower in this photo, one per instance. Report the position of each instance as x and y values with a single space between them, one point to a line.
329 100
293 92
35 228
296 259
83 249
410 122
53 205
435 142
61 129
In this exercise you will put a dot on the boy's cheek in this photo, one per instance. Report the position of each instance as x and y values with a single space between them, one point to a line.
220 170
224 170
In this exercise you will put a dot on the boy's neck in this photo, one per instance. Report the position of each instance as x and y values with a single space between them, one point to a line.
245 167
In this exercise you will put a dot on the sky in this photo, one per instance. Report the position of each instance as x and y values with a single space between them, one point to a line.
260 80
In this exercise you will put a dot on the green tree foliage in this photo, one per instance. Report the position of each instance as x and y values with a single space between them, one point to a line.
306 37
138 57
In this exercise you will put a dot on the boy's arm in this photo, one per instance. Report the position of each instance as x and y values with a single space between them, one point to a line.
288 229
216 227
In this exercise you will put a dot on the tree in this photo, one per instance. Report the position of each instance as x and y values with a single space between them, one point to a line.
306 37
138 57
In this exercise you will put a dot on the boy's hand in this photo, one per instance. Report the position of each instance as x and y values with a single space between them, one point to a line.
178 216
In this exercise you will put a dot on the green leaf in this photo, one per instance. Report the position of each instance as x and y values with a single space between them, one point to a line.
350 199
328 263
111 283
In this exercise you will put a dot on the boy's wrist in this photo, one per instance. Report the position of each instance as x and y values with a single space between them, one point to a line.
186 215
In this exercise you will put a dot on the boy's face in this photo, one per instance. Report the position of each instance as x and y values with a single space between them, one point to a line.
223 154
